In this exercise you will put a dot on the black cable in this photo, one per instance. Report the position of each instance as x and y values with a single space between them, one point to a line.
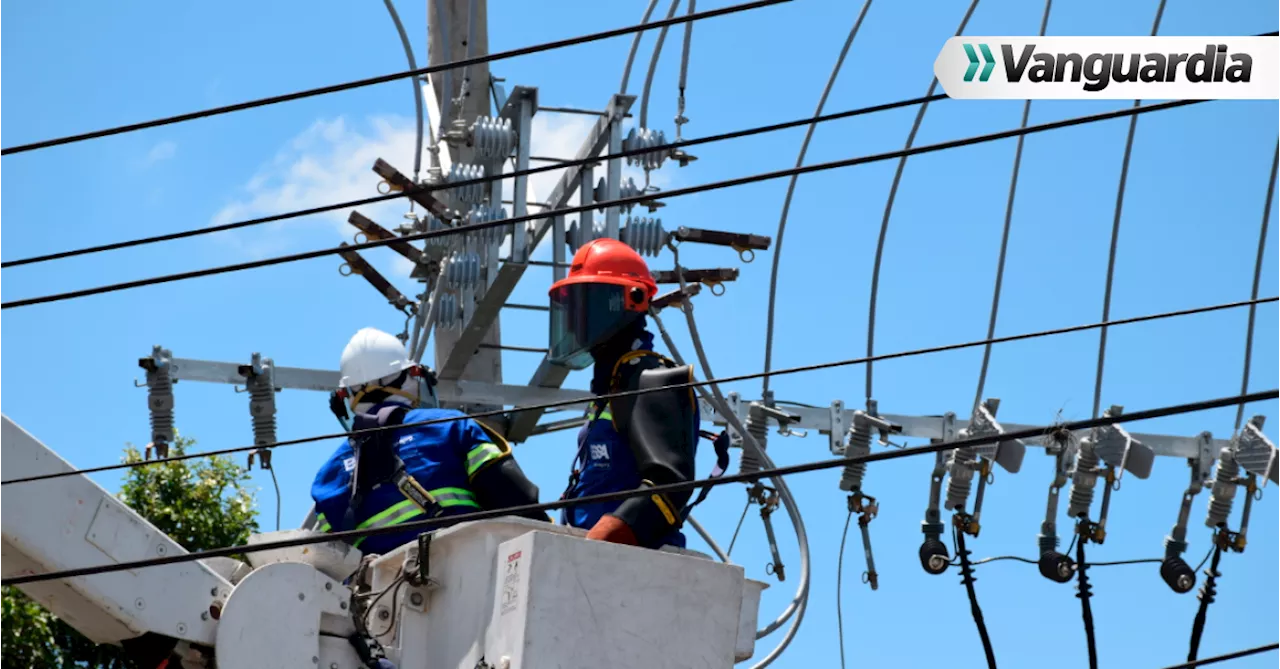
1115 563
722 380
1257 277
734 540
966 577
1207 592
1086 611
736 134
839 578
663 489
1226 656
1206 557
643 197
360 83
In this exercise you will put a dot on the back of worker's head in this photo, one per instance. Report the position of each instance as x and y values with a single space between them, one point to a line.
376 368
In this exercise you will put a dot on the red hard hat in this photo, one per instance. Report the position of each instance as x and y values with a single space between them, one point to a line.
609 261
608 287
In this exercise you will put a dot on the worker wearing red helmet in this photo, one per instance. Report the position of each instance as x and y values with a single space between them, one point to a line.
634 442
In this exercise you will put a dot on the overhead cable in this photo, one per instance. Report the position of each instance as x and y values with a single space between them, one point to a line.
692 384
670 488
791 188
636 199
888 209
1115 235
967 579
1257 278
559 165
360 83
1004 235
1226 656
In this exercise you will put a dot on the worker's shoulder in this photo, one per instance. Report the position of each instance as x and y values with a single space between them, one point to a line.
436 420
627 374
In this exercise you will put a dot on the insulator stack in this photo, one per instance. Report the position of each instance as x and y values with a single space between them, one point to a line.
463 270
1082 482
1048 543
471 193
859 445
262 404
578 234
160 402
643 138
627 188
493 138
757 426
448 315
961 479
645 235
1224 489
486 214
430 223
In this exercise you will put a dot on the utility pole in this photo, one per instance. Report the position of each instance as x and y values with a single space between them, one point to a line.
458 29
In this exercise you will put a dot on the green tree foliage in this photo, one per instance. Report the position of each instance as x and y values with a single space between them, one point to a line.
202 503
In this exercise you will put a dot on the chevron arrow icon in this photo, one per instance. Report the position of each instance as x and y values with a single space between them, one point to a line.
987 57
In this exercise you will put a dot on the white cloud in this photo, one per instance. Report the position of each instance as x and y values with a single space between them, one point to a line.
332 160
161 152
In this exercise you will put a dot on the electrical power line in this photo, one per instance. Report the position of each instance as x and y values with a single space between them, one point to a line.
670 488
630 393
559 165
644 197
360 83
1226 656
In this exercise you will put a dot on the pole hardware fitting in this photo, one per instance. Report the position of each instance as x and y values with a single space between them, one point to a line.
159 383
745 244
711 278
675 298
784 420
866 507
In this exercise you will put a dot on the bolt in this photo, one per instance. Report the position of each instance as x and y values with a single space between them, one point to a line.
161 550
182 628
301 597
383 613
328 586
1185 582
214 592
415 598
204 615
315 660
139 603
343 606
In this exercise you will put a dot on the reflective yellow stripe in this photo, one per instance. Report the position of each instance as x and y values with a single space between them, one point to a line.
606 415
322 525
480 456
407 510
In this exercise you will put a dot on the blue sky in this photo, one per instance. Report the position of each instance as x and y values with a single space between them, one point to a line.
1188 238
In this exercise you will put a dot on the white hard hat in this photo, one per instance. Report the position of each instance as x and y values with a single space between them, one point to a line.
371 355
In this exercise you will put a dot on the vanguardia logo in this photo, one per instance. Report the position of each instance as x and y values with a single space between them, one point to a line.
1053 67
973 62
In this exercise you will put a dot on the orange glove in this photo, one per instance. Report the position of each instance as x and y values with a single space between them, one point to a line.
612 530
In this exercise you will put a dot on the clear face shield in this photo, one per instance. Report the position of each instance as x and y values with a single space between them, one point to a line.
585 315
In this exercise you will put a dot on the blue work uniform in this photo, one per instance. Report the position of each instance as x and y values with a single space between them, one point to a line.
443 457
605 464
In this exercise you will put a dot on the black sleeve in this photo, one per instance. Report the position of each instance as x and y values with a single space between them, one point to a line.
503 485
660 430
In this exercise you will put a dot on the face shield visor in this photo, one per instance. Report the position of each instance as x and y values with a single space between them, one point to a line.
585 315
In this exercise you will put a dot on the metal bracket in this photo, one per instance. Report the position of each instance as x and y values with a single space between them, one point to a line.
1255 452
836 435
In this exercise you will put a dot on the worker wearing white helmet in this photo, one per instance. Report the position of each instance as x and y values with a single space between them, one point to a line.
439 469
